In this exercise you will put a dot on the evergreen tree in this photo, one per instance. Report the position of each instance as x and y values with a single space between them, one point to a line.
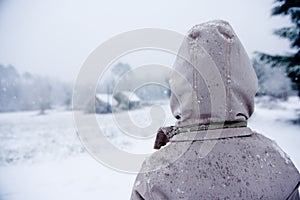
291 61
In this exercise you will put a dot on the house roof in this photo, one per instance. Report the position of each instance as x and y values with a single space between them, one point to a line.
106 97
131 96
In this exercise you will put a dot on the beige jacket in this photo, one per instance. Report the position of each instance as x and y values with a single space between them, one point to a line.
215 82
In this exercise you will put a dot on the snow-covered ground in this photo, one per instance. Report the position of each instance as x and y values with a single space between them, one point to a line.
41 156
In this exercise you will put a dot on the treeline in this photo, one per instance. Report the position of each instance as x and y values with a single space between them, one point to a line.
19 92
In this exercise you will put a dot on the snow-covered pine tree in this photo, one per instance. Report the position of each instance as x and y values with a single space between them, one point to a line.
290 61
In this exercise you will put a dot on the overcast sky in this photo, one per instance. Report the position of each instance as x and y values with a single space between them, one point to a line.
54 37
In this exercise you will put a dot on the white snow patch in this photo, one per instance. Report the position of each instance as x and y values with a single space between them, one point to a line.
137 183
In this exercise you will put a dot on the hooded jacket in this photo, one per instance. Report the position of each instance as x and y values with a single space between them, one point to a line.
214 83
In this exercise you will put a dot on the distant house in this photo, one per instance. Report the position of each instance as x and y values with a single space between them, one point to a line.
105 103
127 100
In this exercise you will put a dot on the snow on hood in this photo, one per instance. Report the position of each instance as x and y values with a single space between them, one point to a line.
213 79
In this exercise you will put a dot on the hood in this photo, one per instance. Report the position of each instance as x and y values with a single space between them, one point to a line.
213 79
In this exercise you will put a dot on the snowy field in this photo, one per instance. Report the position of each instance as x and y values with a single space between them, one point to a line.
41 156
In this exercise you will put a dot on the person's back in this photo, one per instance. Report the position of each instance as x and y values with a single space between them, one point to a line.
212 154
236 168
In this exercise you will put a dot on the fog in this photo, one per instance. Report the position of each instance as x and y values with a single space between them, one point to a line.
53 37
